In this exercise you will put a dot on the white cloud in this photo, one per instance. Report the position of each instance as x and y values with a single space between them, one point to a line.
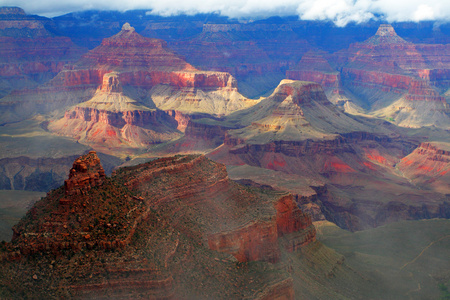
339 11
423 12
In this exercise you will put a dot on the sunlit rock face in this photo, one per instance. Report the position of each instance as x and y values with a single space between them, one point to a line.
111 119
398 80
146 68
298 131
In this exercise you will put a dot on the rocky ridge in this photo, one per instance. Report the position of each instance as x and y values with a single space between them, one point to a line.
298 131
160 206
146 67
314 66
111 119
86 173
391 75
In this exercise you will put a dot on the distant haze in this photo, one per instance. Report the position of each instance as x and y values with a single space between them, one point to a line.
340 12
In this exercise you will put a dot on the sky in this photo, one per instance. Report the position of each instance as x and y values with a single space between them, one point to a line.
341 12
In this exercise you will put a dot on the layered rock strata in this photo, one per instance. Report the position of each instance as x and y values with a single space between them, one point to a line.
86 173
184 208
29 54
398 80
428 165
147 67
298 131
112 119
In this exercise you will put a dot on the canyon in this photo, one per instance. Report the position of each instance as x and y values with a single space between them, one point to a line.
298 131
229 151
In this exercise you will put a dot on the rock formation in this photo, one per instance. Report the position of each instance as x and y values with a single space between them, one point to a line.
315 67
86 173
298 131
248 51
151 226
111 119
428 166
146 68
394 78
29 53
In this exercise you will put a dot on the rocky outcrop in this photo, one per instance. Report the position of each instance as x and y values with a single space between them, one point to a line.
393 77
250 52
257 241
353 160
183 208
199 130
112 119
301 108
86 173
428 165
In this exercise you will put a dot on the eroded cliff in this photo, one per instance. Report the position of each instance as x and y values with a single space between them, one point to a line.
158 228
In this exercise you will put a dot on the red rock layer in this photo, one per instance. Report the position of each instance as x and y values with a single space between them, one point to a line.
117 119
414 89
324 79
86 173
314 67
428 165
29 52
110 118
388 63
128 50
257 241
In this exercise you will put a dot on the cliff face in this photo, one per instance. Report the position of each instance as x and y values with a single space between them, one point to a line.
428 165
150 64
393 77
314 66
258 55
29 54
142 64
154 224
112 119
86 173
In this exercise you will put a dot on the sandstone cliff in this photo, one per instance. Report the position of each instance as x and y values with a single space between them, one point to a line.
146 67
29 53
111 119
158 228
298 131
398 80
